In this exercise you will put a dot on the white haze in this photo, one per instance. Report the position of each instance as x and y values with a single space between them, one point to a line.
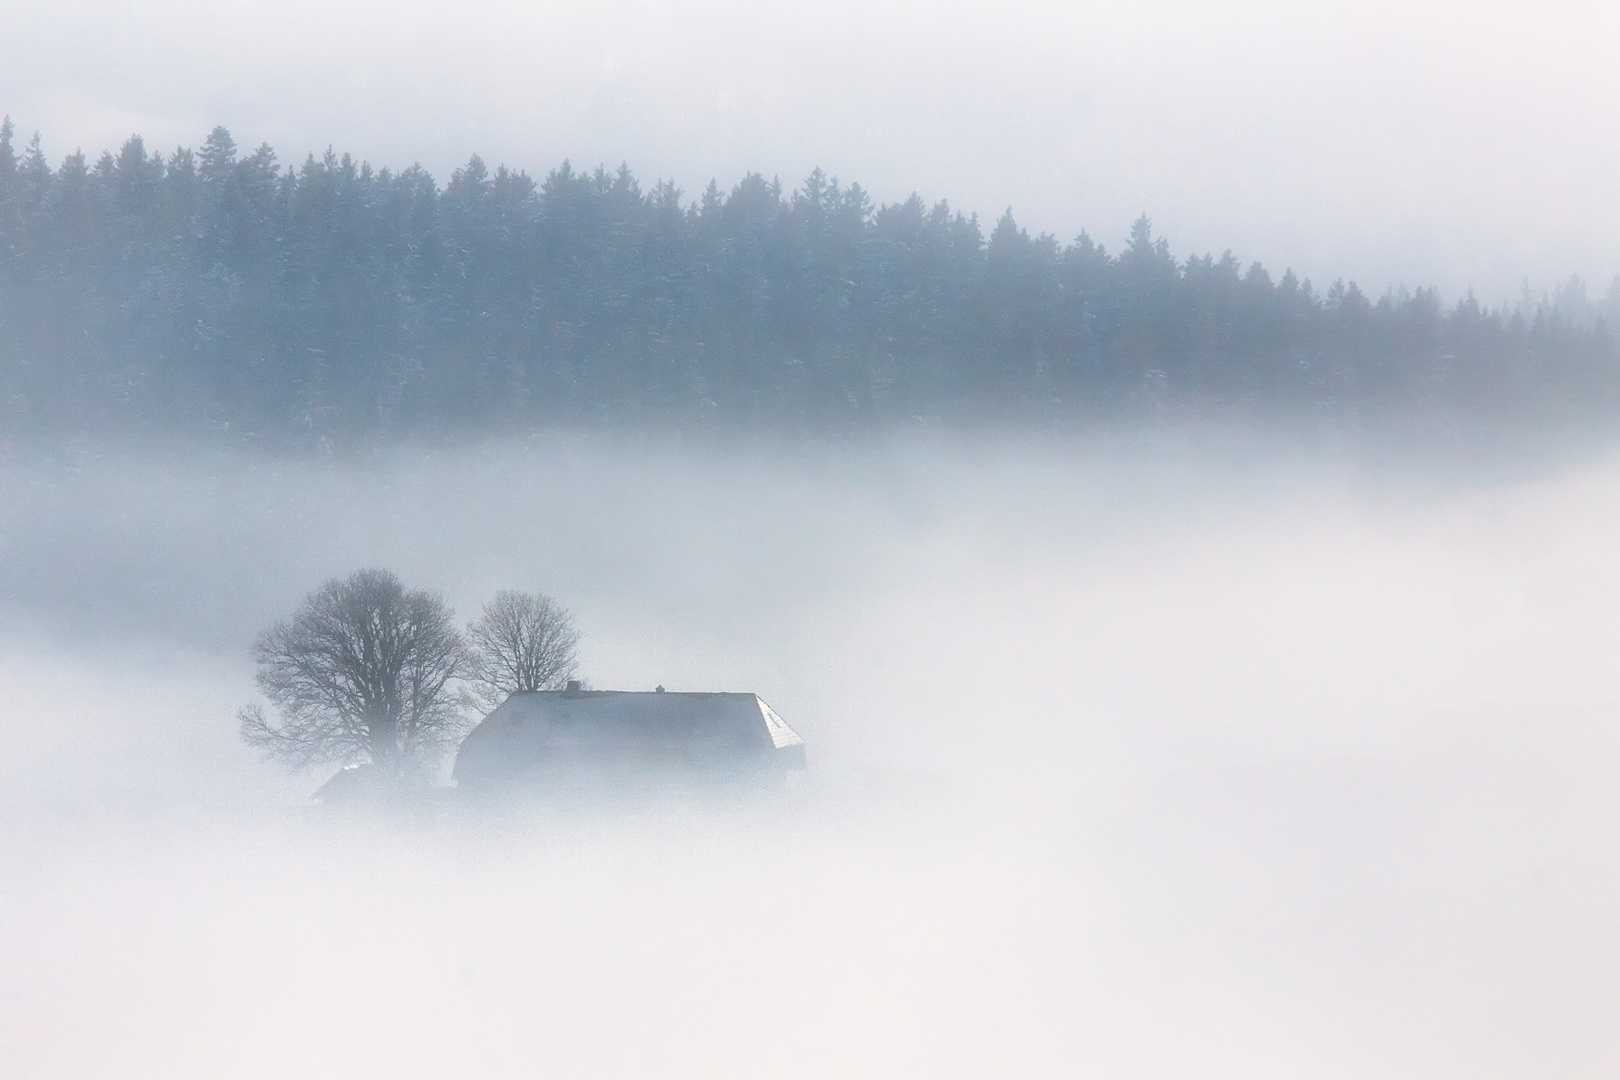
1442 143
1161 756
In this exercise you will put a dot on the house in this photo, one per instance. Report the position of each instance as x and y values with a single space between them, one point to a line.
577 738
356 785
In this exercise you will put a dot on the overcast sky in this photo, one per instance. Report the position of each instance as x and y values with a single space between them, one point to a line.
1457 144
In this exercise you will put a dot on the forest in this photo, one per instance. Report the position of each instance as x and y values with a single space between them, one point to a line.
217 290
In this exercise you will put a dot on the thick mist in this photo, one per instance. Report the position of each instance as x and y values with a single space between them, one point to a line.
1160 755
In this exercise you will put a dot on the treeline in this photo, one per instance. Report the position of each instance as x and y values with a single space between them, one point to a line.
218 289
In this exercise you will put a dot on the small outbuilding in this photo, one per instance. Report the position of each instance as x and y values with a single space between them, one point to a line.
355 785
573 738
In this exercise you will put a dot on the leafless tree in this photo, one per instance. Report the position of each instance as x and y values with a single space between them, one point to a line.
521 641
364 670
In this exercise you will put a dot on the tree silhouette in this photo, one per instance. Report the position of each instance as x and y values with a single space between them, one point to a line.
220 291
520 642
363 670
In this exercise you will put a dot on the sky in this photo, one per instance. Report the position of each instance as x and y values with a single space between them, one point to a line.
1446 144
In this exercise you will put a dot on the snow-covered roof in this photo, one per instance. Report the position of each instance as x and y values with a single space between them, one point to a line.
551 726
350 784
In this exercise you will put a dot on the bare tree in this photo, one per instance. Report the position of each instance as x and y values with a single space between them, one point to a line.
364 670
521 642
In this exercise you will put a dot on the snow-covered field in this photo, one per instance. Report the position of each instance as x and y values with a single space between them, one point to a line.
1158 756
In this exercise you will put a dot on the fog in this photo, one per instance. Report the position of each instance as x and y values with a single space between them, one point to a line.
1148 755
1449 144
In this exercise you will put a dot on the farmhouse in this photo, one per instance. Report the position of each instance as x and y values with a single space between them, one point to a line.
575 737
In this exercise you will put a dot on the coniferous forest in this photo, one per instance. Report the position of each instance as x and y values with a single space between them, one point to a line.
217 290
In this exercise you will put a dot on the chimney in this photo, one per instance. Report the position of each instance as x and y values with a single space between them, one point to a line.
573 686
